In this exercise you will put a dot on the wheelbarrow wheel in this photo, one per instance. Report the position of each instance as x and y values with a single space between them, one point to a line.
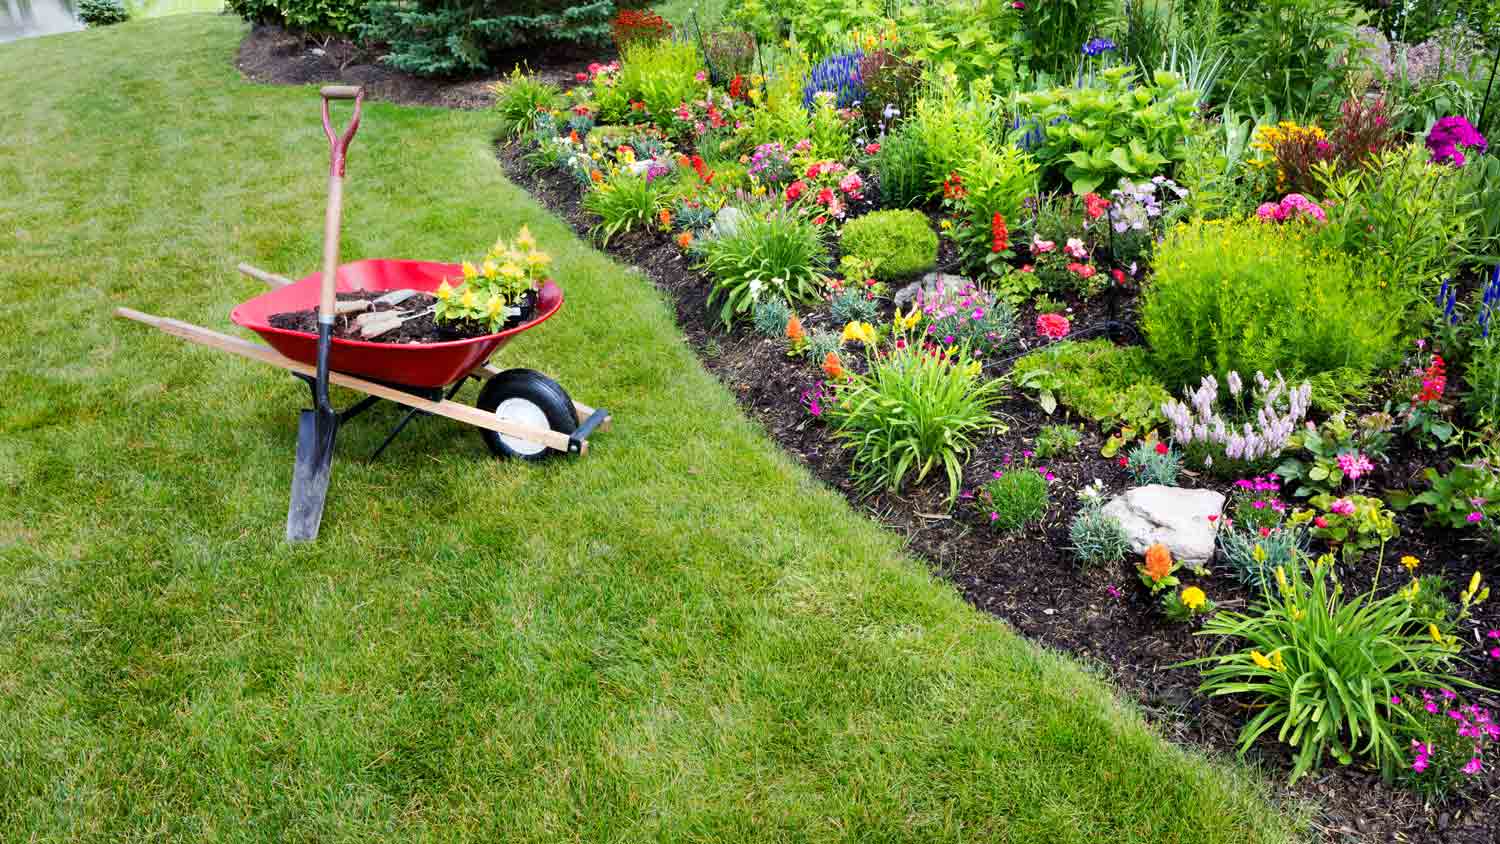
530 398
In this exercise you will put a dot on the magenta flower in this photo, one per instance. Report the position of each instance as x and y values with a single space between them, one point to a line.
1473 767
1355 465
1475 517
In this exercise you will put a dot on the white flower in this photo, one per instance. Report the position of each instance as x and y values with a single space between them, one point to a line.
756 286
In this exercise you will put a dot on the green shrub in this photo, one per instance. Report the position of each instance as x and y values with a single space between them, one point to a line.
910 413
1406 219
950 130
901 165
447 37
624 202
779 254
324 17
102 12
1292 56
1253 557
661 74
255 11
1016 497
1101 381
1321 668
1093 135
898 243
1247 296
521 101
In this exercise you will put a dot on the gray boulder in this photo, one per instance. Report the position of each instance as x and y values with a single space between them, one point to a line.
933 284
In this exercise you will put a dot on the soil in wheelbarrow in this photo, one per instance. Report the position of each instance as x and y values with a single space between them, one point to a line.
421 328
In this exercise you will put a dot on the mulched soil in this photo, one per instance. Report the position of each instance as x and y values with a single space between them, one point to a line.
272 55
1030 581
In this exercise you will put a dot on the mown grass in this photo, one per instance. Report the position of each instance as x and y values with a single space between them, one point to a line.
681 637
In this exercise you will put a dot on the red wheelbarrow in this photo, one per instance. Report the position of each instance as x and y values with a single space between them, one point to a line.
520 413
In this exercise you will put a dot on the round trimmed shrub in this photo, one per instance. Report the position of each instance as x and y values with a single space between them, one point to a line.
900 243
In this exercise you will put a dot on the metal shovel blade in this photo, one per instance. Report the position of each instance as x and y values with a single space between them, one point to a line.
315 434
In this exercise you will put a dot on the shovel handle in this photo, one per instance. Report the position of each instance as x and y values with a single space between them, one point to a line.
338 153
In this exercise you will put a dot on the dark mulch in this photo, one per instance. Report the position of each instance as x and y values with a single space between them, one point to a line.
1030 581
272 55
420 327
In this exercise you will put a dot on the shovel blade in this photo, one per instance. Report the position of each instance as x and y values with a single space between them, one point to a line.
315 434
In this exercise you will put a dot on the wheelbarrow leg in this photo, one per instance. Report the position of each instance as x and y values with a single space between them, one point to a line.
414 413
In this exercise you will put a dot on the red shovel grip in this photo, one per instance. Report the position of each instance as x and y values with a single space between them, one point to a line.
340 143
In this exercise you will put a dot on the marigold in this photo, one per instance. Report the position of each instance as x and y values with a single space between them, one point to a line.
1158 561
685 239
794 330
665 218
1193 598
833 367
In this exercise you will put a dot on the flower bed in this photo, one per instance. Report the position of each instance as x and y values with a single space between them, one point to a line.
988 409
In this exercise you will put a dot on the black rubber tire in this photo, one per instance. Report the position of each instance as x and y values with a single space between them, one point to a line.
544 394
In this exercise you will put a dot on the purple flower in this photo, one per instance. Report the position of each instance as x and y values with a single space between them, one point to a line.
1448 135
1475 517
1473 767
1114 591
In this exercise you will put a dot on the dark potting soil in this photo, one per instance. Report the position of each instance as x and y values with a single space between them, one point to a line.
1031 581
419 329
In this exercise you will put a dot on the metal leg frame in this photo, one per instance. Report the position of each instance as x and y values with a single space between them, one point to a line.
433 393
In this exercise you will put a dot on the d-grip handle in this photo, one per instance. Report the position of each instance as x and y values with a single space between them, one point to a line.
340 143
340 92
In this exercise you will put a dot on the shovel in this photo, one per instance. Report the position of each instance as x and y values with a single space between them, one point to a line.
316 428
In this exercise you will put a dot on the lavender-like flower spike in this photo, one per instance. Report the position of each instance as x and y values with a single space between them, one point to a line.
1235 385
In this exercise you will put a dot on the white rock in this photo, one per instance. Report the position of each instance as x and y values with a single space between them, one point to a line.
727 221
1173 516
933 284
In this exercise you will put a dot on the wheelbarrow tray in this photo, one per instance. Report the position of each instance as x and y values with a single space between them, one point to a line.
407 364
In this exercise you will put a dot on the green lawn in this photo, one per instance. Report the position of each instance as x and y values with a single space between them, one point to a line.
681 637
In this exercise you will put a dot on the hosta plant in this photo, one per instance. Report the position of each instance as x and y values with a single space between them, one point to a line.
912 412
1321 669
1123 126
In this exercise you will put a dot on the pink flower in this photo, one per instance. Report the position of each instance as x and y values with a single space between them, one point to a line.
1344 507
581 76
851 183
1052 326
1320 521
1114 591
700 76
1475 517
1075 248
1041 247
872 148
1018 6
1473 767
1354 465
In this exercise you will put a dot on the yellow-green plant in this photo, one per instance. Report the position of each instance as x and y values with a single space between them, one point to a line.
490 291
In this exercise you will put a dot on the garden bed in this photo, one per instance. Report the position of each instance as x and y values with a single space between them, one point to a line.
1101 616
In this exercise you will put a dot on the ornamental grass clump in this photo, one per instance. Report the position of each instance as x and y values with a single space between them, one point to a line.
1015 497
1237 446
776 254
1321 669
1096 538
913 411
1243 296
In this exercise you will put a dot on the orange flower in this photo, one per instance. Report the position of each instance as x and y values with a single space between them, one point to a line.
833 367
1158 561
573 136
794 330
595 176
685 239
665 217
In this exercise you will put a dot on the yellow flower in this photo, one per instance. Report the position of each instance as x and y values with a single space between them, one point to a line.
494 306
906 322
1260 659
537 260
861 331
1473 587
1193 597
1281 578
489 269
1410 562
469 272
524 240
468 299
1411 591
1277 662
1259 553
444 291
511 271
1435 633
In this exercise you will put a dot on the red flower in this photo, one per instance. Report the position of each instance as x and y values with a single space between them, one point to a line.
1264 532
1094 205
999 234
1083 270
1124 461
825 196
736 86
1119 276
1052 326
953 187
794 190
581 76
872 148
1320 522
1161 448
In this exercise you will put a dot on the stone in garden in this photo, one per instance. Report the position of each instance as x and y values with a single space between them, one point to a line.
1177 518
727 221
933 284
639 168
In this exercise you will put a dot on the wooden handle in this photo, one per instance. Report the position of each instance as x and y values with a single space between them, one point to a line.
270 279
340 92
331 247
